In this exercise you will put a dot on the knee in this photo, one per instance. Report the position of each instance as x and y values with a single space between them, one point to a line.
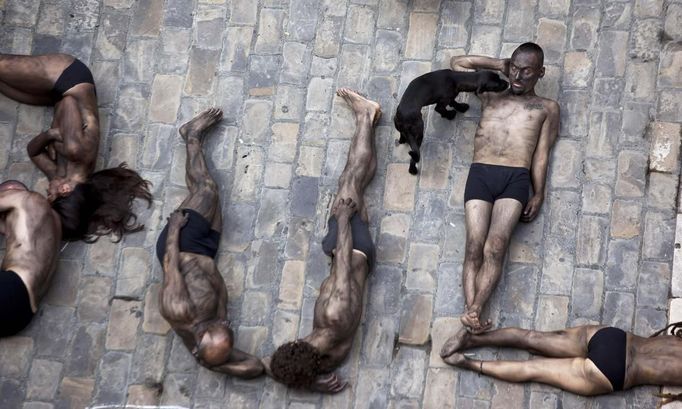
474 252
495 248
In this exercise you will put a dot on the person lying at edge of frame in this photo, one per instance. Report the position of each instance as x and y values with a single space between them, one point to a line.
89 203
586 360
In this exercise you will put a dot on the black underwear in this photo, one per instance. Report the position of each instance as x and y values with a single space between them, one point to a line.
74 74
492 182
195 237
608 350
362 240
15 304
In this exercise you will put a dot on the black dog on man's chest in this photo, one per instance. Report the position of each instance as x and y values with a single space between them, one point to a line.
440 88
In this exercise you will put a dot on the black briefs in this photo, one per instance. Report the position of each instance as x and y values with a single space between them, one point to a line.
607 349
15 304
362 240
195 237
74 74
492 182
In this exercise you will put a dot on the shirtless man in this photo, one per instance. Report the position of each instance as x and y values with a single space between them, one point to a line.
193 297
67 152
309 362
32 232
586 360
511 151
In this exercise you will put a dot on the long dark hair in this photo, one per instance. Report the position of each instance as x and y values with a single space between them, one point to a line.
102 205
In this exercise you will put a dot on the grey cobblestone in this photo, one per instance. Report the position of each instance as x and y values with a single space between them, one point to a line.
601 249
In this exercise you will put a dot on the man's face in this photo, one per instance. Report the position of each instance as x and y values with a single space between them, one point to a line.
524 72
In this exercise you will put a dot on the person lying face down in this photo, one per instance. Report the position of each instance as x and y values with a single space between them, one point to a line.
309 362
193 298
90 204
586 360
32 232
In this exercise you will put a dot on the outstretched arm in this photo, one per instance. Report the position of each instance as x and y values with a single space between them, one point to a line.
176 304
538 168
478 62
338 304
241 364
38 153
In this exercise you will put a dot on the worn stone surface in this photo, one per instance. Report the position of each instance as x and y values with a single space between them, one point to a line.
602 249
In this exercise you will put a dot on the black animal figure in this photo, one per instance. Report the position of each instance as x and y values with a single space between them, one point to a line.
440 88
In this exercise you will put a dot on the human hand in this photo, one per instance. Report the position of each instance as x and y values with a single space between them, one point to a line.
344 208
178 219
329 384
532 208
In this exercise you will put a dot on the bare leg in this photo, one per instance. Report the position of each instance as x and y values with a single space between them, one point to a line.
477 214
29 79
203 191
575 375
362 161
505 216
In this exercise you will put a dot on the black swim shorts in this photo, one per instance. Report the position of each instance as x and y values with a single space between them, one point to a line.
608 350
492 182
74 74
15 304
362 240
195 237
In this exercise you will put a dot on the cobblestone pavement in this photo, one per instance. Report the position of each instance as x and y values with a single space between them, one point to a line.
600 251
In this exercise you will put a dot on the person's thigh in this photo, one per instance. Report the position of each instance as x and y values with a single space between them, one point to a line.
505 216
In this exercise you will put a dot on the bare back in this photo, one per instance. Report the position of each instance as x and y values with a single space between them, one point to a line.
33 232
654 361
509 128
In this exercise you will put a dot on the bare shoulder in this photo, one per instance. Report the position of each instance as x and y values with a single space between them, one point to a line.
550 105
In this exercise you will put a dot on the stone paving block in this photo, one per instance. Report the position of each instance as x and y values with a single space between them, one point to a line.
236 50
673 15
21 14
577 69
653 284
565 173
302 19
93 303
391 243
649 320
249 167
665 147
661 190
148 360
387 51
201 71
520 295
165 102
243 13
288 103
592 239
421 36
269 35
640 80
300 230
421 265
153 321
132 276
677 261
520 20
359 26
400 188
441 384
631 174
551 35
86 349
669 105
143 395
636 118
658 235
291 285
552 313
295 57
588 289
442 329
431 209
625 219
596 198
123 324
484 39
113 369
619 309
622 264
526 244
273 206
76 392
55 330
645 40
612 54
371 388
64 288
407 373
111 39
43 379
177 389
574 118
415 319
617 16
173 55
15 356
147 18
557 269
379 341
392 15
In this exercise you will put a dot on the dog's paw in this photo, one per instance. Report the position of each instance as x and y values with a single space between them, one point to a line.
449 115
462 107
413 168
415 156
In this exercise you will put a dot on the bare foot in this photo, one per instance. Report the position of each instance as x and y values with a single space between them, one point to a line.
455 342
456 359
360 104
199 123
470 319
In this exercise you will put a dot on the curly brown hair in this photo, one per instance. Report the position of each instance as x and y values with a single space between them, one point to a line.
296 364
102 205
675 329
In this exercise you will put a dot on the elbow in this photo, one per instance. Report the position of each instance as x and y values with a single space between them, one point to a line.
456 63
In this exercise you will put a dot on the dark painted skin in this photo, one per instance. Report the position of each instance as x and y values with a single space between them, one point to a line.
193 298
67 152
32 233
649 361
517 129
338 309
